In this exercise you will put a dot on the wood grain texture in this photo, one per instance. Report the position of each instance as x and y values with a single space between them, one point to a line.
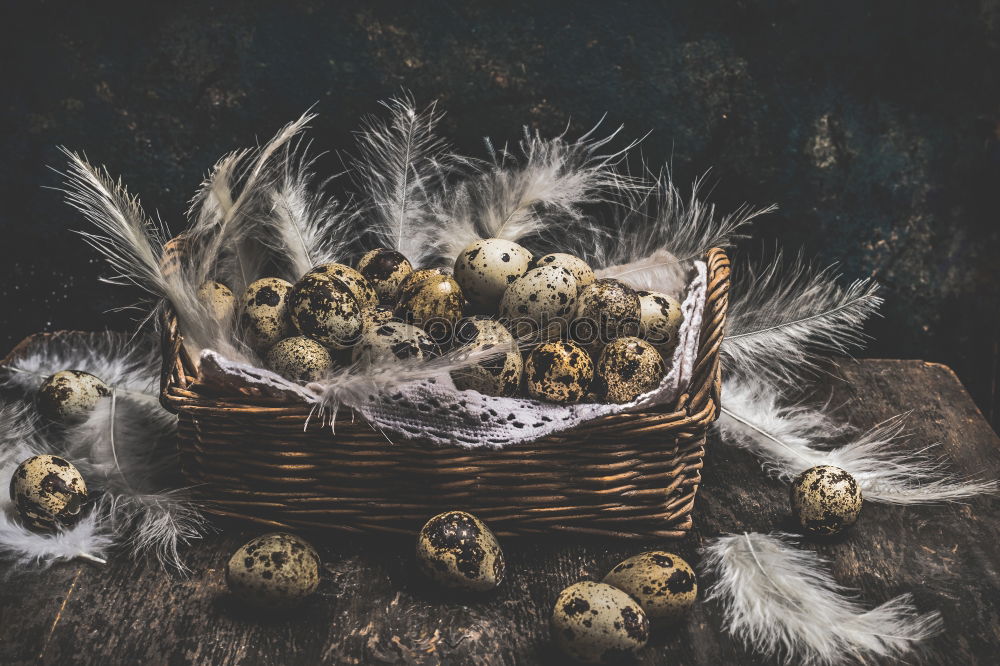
372 606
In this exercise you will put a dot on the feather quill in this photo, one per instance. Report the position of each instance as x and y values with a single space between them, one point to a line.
790 439
783 603
783 320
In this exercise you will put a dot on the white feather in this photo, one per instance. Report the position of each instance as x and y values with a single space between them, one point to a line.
790 439
783 603
783 320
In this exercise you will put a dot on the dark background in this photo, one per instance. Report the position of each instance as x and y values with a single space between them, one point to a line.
874 125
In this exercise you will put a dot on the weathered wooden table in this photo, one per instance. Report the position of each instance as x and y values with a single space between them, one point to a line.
373 608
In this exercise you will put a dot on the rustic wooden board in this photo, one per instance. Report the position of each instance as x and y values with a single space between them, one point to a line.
374 608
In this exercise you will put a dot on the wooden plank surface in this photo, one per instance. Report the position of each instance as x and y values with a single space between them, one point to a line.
373 607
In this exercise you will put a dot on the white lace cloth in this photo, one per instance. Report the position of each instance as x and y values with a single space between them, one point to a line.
435 411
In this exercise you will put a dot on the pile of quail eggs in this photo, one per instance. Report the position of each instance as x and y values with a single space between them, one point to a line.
573 336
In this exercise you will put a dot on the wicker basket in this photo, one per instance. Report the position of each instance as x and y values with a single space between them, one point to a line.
631 475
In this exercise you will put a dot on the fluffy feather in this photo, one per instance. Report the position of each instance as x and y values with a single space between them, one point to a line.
539 196
784 319
783 603
792 438
401 165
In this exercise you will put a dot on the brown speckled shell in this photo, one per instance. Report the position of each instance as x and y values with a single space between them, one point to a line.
596 623
219 300
300 359
69 396
486 268
457 550
558 372
609 308
434 303
357 284
276 570
49 492
376 316
393 340
540 303
629 367
324 308
583 273
384 269
498 376
660 319
264 315
663 583
825 499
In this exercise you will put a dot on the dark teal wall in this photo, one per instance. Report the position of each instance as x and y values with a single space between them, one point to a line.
874 125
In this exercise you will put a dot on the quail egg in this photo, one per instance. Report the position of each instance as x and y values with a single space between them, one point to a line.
356 283
68 396
825 499
457 550
49 493
433 302
629 367
384 269
276 570
264 316
583 273
606 309
394 339
324 308
376 316
300 359
660 319
596 623
499 375
487 267
663 583
558 372
218 299
540 303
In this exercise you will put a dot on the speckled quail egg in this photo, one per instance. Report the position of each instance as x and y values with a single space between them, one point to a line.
663 583
49 493
264 316
660 319
384 269
540 303
825 499
218 299
300 359
358 285
487 267
276 570
558 372
457 550
583 273
324 308
606 309
394 339
69 396
498 375
434 303
376 316
596 623
629 367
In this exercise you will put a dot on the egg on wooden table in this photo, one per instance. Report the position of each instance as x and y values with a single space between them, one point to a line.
627 368
540 303
276 570
606 309
357 284
49 493
583 273
264 315
300 359
384 269
458 551
68 396
596 623
663 583
393 340
660 319
558 372
825 499
324 308
498 375
433 302
487 267
218 299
